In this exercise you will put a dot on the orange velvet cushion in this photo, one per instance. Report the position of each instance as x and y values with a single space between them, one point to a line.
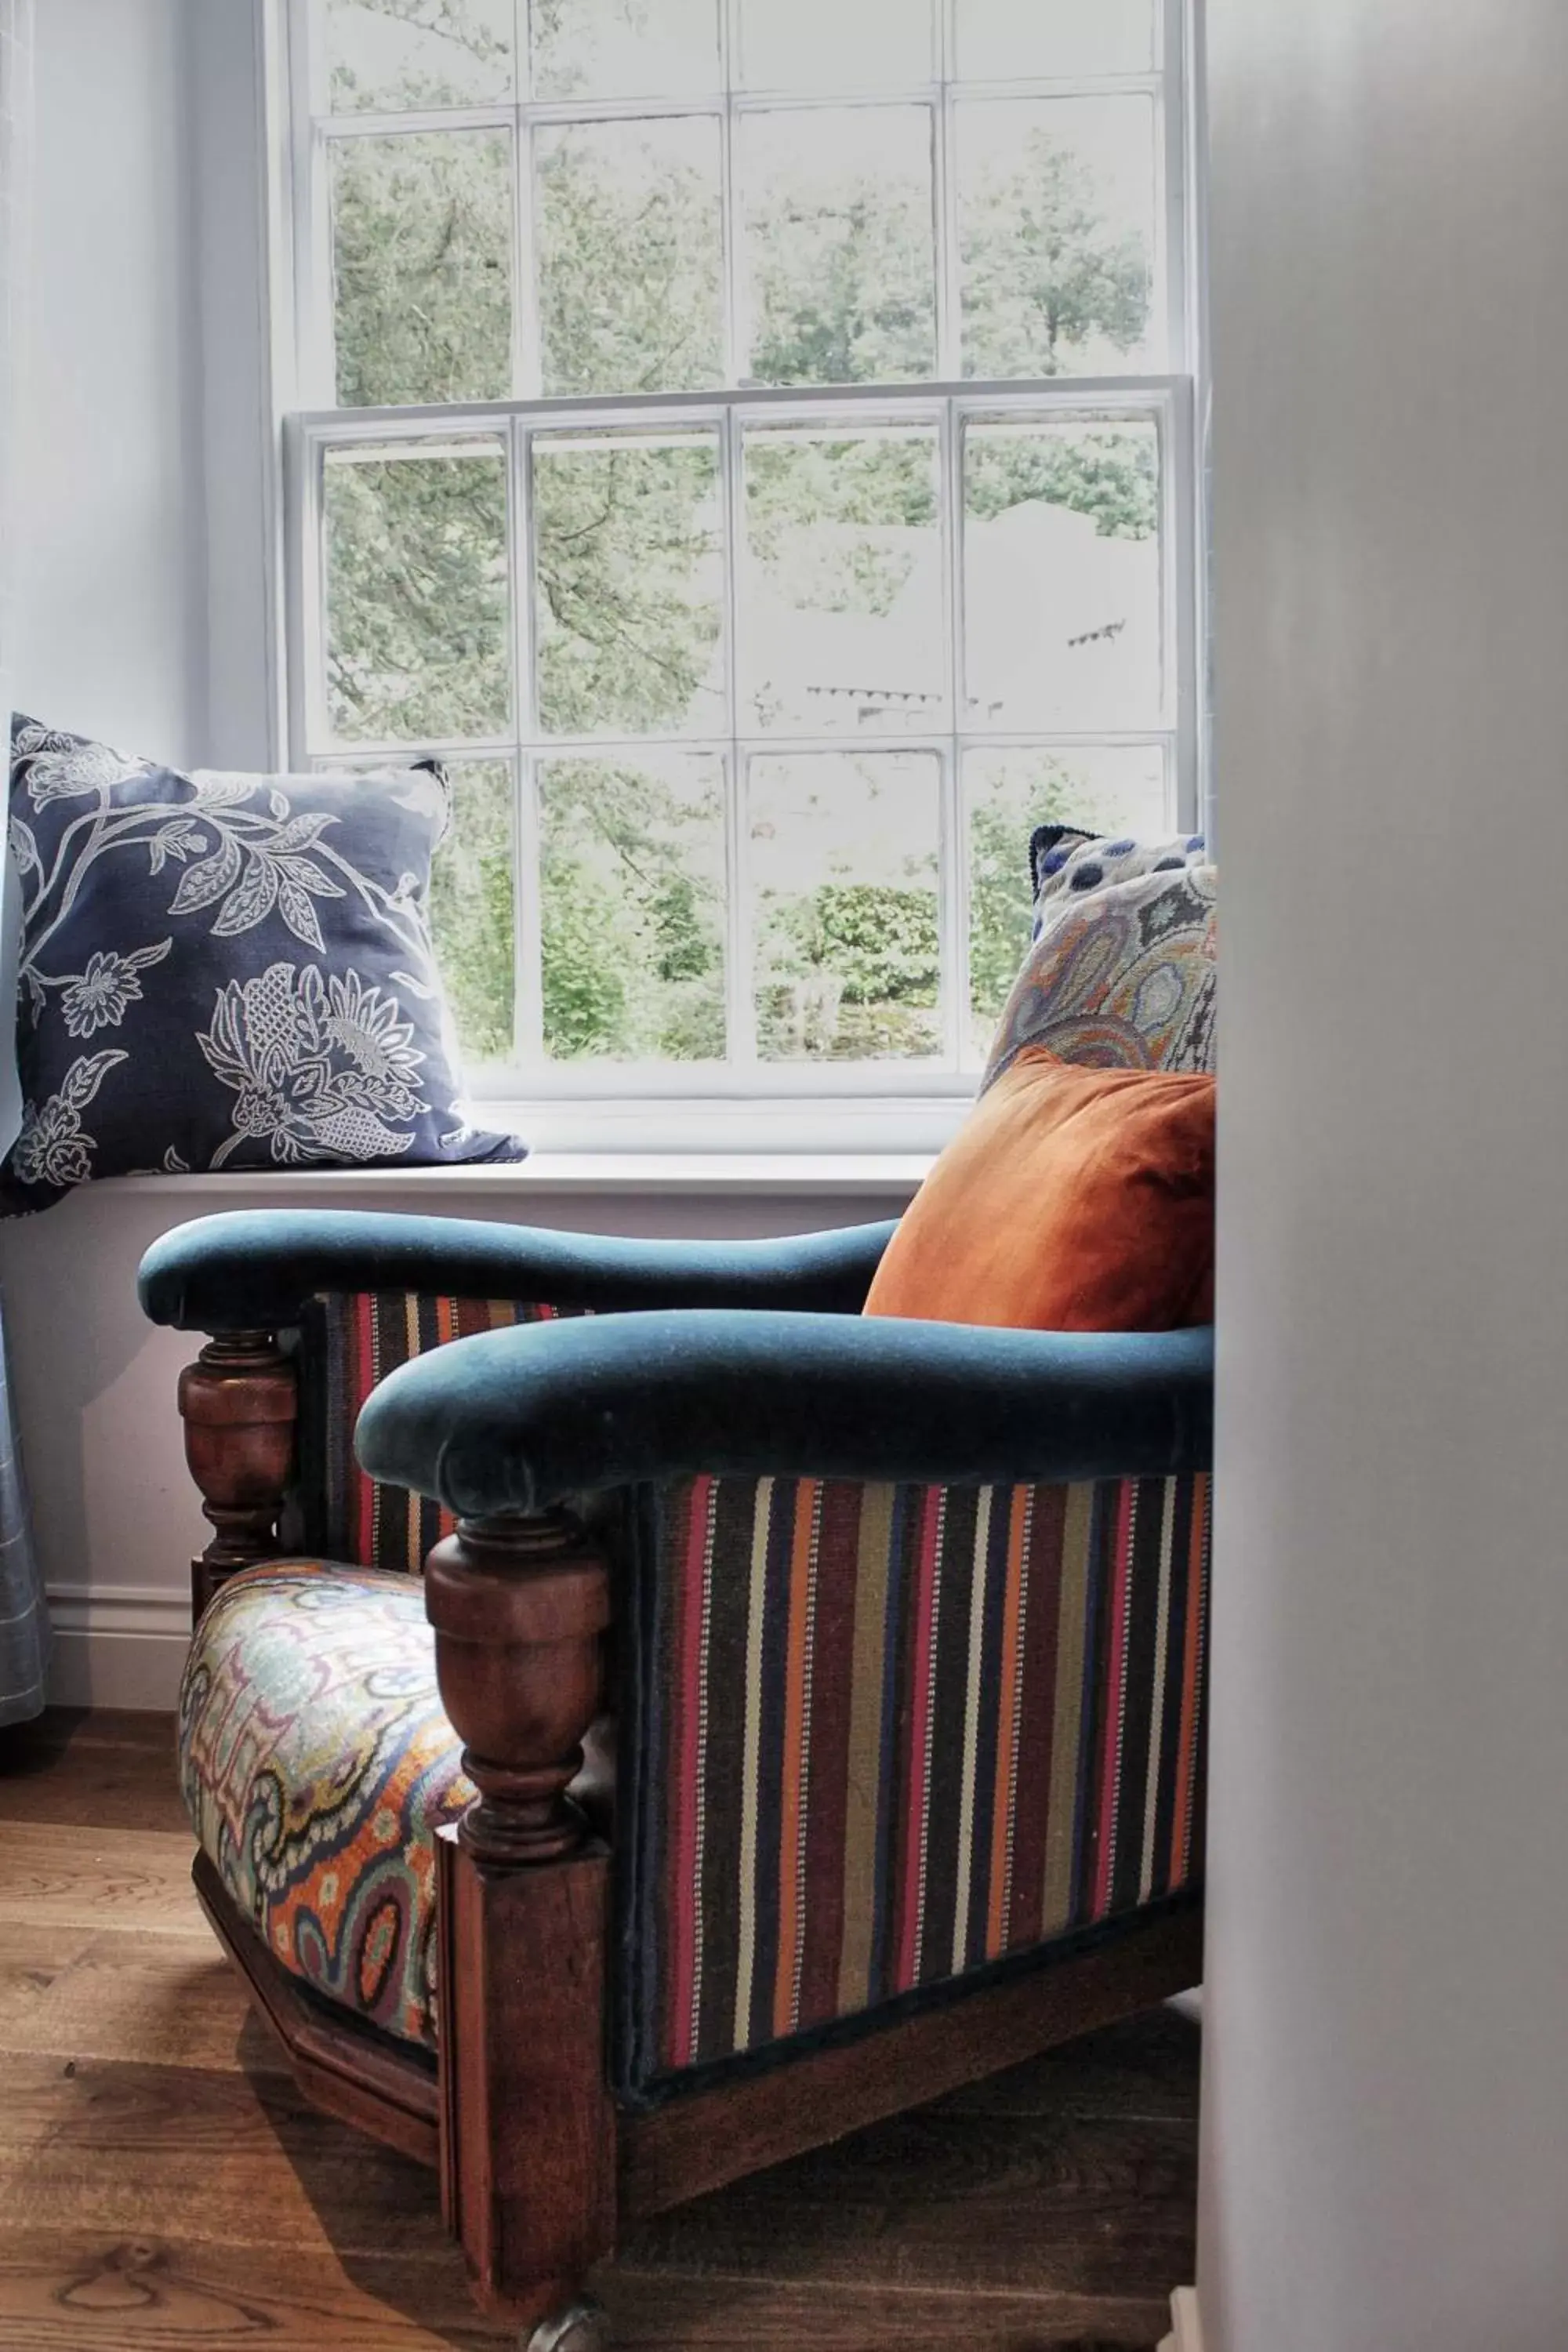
1070 1200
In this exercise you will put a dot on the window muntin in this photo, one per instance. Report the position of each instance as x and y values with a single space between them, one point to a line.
777 634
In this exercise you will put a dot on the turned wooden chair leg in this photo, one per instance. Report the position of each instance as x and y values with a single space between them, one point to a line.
581 2327
528 2140
239 1403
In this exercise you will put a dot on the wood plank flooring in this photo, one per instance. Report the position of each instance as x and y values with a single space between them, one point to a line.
164 2187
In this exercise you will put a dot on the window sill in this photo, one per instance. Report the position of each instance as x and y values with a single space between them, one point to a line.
696 1127
556 1175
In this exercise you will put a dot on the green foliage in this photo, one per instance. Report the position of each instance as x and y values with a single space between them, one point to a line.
796 483
626 626
630 287
843 284
630 262
850 972
1000 902
461 54
422 262
1043 274
881 943
1113 475
472 908
1030 789
585 983
633 917
566 35
418 603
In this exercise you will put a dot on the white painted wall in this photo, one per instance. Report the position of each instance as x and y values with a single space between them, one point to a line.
112 639
111 615
145 599
144 612
1385 2133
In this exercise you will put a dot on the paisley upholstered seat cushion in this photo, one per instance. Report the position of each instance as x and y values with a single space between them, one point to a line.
317 1764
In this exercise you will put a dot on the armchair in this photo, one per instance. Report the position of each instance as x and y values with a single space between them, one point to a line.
883 1642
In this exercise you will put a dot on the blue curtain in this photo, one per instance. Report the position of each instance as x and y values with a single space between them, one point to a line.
23 1622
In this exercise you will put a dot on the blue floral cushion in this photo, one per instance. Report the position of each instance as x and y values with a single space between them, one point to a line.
225 972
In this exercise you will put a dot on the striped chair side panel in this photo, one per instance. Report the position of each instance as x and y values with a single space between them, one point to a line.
352 1341
904 1732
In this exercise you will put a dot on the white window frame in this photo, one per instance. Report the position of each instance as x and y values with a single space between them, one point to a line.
905 1105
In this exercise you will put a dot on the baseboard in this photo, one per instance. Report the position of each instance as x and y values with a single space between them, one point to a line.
121 1645
1187 2334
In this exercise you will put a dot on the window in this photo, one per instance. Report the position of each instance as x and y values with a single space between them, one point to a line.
750 442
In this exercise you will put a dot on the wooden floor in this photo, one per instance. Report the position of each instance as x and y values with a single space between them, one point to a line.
163 2189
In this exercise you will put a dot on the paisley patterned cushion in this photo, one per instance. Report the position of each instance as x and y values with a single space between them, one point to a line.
317 1765
1120 976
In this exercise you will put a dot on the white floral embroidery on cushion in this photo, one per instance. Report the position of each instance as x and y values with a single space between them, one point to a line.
98 997
125 866
52 1148
319 1065
63 769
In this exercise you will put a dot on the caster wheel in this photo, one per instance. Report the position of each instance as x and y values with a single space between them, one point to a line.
577 2327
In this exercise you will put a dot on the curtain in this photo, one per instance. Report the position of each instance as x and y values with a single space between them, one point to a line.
23 1622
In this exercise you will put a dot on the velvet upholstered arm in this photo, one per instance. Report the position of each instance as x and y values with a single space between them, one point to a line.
255 1269
265 1423
515 1421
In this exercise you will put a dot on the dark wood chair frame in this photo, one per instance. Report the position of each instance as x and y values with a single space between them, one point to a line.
538 2165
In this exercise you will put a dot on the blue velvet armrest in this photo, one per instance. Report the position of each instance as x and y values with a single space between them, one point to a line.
514 1421
254 1269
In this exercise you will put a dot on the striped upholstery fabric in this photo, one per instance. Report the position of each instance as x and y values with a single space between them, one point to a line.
352 1341
900 1733
885 1736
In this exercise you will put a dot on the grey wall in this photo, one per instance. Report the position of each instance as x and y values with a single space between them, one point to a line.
144 612
241 718
1387 2095
144 596
111 615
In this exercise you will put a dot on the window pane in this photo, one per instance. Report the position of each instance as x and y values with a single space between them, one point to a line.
630 256
840 270
1056 236
625 49
422 267
842 621
629 583
633 906
1104 789
417 611
472 908
1013 41
844 875
384 54
827 45
1062 576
